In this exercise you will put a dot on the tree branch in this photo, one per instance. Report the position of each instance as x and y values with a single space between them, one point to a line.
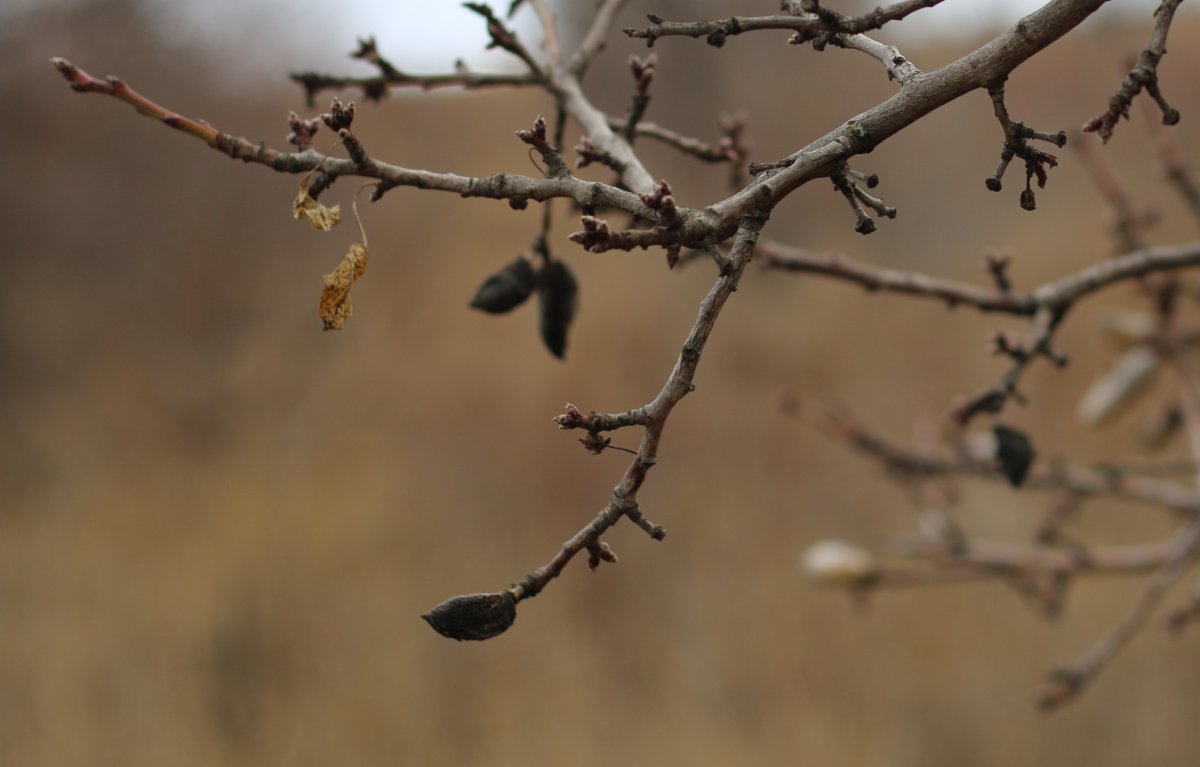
1143 75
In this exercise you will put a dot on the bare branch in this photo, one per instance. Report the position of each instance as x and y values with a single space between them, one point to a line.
1016 144
815 22
593 41
1059 294
677 386
898 67
550 42
375 88
907 464
1174 167
1143 75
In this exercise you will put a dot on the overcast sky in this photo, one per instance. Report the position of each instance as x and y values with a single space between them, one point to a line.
428 35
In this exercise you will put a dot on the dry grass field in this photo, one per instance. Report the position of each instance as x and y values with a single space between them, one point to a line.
220 526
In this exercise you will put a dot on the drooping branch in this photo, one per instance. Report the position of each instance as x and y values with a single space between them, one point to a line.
653 416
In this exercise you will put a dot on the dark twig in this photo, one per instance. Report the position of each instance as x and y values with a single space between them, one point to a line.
1129 226
643 75
505 39
1057 295
1175 168
536 138
1016 144
724 150
815 22
678 385
1143 75
857 198
907 464
375 88
1037 344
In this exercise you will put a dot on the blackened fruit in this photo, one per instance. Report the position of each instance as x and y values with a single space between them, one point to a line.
506 289
557 298
1015 453
474 616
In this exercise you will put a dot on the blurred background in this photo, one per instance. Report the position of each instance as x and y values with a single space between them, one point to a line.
220 525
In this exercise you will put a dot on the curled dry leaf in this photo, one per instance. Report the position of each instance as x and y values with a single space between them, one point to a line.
838 563
473 616
335 307
506 289
557 299
1119 385
319 216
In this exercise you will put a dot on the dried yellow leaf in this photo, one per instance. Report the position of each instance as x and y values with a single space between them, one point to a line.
335 307
319 216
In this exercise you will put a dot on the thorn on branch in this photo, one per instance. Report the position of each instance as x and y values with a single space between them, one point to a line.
536 138
1016 144
1143 75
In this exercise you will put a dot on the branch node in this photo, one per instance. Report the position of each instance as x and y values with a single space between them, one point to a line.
536 138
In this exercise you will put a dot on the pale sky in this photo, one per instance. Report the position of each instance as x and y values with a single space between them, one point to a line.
428 35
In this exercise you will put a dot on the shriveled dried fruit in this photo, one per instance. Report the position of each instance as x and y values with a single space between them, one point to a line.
506 289
1014 452
474 616
558 294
